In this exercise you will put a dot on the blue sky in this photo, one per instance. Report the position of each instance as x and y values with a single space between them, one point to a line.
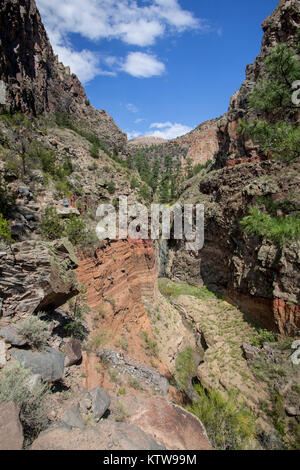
159 67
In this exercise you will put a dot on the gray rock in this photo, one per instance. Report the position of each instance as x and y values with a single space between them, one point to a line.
100 402
11 336
11 433
73 417
42 276
126 365
73 352
250 352
49 364
2 354
292 410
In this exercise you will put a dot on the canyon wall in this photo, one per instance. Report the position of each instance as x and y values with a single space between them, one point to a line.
34 80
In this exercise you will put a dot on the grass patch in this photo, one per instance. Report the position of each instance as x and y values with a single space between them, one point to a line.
173 289
229 425
185 368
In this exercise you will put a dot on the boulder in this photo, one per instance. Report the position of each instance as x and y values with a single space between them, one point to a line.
172 426
12 337
100 402
106 435
250 352
11 433
39 276
73 352
72 417
49 364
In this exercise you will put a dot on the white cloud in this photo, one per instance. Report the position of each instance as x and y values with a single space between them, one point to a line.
84 63
168 130
141 65
117 19
133 135
139 120
132 108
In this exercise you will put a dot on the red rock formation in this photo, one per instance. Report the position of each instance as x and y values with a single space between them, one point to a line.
202 142
118 278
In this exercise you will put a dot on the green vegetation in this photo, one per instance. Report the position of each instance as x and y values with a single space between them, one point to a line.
64 120
15 386
279 230
53 226
263 336
35 331
150 345
280 140
185 368
229 425
276 133
7 199
274 92
174 289
5 231
111 187
78 309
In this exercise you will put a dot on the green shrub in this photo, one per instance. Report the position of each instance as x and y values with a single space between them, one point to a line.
280 141
185 368
7 199
35 331
279 230
15 386
94 150
52 226
134 182
263 336
5 231
274 92
111 187
229 425
75 229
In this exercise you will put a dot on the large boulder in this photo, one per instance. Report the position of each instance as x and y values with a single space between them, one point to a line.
11 433
37 276
172 426
11 336
49 364
72 351
106 435
72 417
100 402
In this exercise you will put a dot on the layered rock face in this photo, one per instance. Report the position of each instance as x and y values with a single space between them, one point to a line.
35 82
260 277
119 279
202 143
280 26
36 276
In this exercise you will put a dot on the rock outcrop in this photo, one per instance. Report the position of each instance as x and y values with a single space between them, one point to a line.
260 277
11 433
171 425
35 82
36 276
48 364
106 435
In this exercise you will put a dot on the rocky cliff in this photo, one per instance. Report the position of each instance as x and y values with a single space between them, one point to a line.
258 275
33 79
